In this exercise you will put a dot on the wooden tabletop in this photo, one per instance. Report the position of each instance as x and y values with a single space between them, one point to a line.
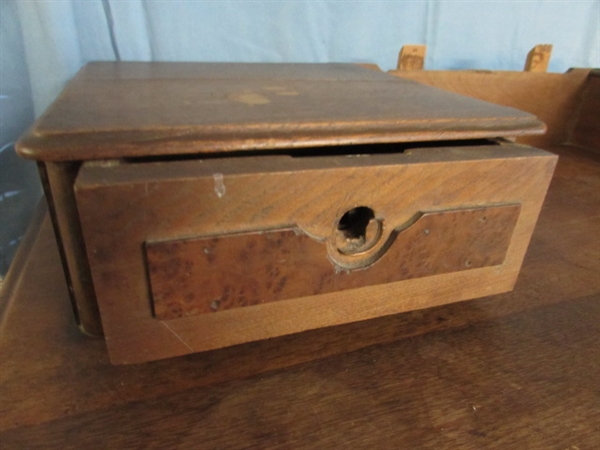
127 109
518 370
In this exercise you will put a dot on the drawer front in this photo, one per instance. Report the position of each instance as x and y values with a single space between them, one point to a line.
206 275
194 255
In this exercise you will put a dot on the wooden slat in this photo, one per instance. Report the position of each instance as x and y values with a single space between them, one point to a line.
412 57
116 110
58 185
122 207
538 58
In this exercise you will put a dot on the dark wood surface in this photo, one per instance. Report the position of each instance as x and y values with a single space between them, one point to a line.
514 371
586 131
115 110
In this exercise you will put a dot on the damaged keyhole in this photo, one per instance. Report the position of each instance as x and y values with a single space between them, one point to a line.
357 231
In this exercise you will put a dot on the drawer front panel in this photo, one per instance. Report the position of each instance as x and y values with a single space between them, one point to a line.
190 256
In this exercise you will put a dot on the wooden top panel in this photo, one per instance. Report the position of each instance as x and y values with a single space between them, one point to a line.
113 110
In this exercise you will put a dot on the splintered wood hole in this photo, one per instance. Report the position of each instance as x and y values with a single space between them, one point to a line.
353 223
357 230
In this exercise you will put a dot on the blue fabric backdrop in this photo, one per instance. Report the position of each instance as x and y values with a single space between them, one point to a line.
43 44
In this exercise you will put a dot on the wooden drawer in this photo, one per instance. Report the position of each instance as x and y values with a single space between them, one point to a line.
201 205
199 254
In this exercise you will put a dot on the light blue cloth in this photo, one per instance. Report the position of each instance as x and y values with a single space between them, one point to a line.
59 37
44 43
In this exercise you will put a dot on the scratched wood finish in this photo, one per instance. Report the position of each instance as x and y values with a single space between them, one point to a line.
57 180
116 110
463 375
212 274
121 207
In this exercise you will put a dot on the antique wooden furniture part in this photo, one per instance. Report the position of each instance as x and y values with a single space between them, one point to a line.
513 370
568 103
200 206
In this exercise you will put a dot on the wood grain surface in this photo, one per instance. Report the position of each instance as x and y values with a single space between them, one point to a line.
517 370
122 207
198 276
57 180
553 97
116 110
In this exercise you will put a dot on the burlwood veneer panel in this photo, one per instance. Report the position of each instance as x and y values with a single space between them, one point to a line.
212 274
